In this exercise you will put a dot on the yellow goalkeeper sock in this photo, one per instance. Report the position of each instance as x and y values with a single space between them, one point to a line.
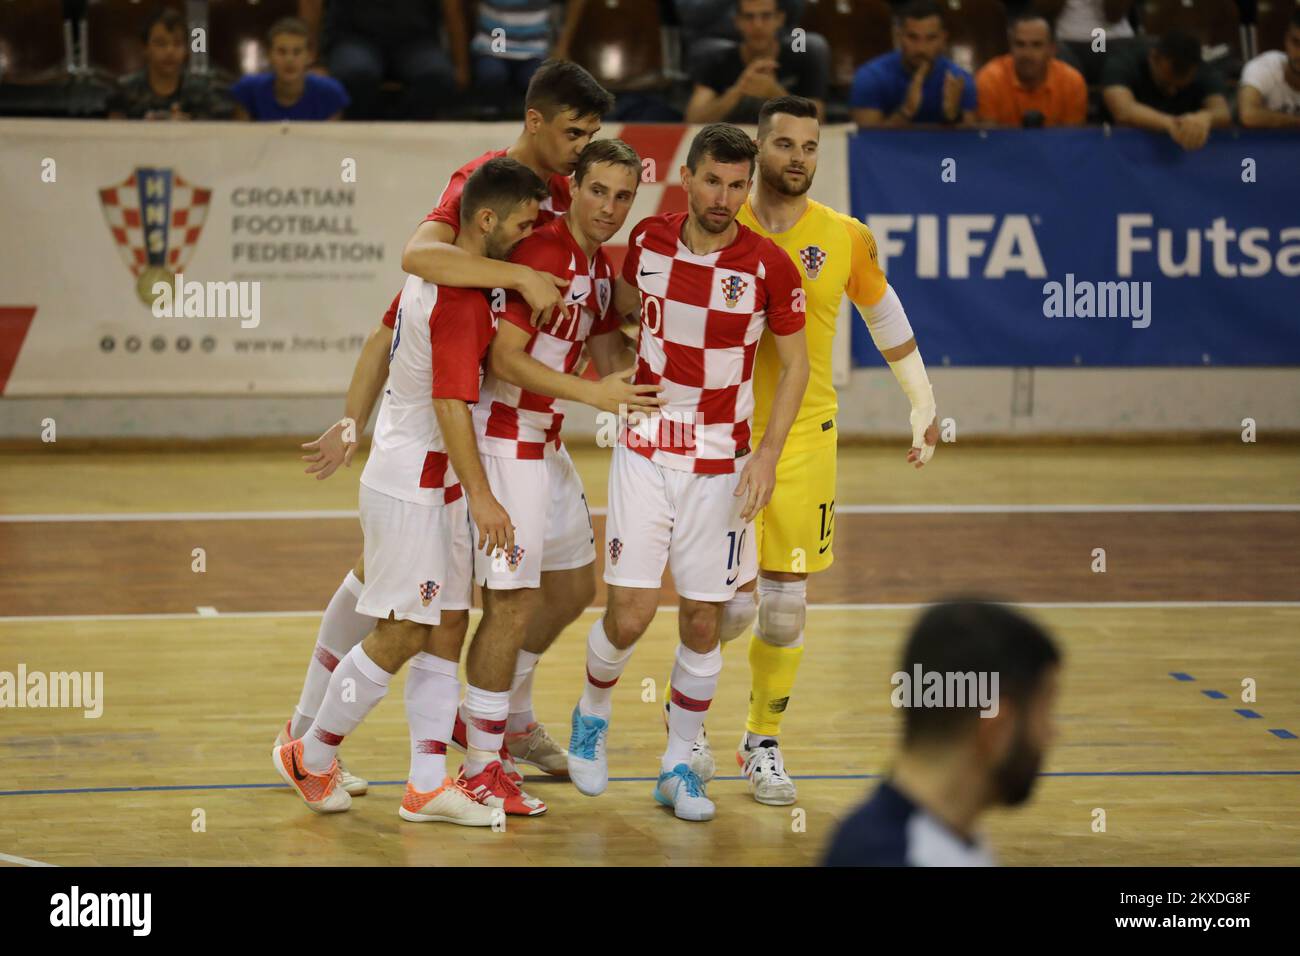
772 671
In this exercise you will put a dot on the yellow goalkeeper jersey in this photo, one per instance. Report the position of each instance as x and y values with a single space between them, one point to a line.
835 254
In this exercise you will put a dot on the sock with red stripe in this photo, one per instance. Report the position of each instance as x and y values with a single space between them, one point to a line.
357 685
694 682
521 693
605 664
341 629
485 726
432 690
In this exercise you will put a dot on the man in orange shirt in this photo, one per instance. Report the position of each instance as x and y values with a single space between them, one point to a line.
1029 86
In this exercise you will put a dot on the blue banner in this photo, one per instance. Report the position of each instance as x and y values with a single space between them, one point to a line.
1082 247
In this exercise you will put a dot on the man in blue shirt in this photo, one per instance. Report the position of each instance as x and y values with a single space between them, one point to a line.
288 91
916 83
977 685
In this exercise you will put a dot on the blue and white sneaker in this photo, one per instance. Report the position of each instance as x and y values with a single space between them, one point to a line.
588 766
681 789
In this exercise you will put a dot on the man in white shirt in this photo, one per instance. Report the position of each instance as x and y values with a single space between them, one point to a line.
1269 94
1076 23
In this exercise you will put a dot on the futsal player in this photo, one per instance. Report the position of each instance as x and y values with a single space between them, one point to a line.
685 483
835 256
422 476
958 762
563 109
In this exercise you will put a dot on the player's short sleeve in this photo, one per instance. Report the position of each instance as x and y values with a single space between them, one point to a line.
785 298
390 317
448 208
867 282
538 253
457 350
633 257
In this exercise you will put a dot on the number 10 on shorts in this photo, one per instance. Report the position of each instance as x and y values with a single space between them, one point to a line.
735 548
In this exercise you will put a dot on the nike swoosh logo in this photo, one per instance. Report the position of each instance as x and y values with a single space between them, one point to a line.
293 758
577 296
732 580
822 549
643 273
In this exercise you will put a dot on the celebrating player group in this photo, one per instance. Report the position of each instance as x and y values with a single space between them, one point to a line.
724 468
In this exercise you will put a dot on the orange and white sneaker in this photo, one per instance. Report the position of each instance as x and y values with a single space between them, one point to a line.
492 788
354 785
459 738
321 792
536 748
450 803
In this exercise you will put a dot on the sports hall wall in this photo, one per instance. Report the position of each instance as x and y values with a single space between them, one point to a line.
1176 305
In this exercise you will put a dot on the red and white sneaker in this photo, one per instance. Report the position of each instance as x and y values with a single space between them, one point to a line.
459 741
492 788
450 803
321 792
354 785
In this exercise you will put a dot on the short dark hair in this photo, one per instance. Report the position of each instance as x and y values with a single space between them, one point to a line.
968 635
171 20
500 184
290 25
1030 15
920 10
799 106
1180 48
722 143
607 151
1295 18
560 85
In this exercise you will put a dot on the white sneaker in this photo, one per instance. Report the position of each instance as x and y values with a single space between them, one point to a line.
536 748
352 784
450 803
702 762
588 764
681 789
764 768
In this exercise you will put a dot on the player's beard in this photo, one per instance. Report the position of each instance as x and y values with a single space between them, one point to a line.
701 216
775 179
497 246
1014 778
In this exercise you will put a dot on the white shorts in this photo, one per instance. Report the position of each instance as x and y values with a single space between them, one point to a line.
548 508
661 516
417 558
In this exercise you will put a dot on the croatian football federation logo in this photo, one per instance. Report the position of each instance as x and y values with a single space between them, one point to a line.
615 549
733 287
515 557
428 591
813 259
155 218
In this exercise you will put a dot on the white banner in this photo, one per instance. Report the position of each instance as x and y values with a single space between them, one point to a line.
291 235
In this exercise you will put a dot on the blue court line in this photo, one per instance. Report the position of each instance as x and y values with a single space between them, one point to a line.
1247 713
1215 694
559 780
1243 711
1284 734
1179 675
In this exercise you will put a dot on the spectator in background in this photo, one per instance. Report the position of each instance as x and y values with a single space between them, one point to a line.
1167 89
733 80
367 41
1269 94
288 91
715 19
915 83
1029 86
164 89
1077 19
963 757
512 38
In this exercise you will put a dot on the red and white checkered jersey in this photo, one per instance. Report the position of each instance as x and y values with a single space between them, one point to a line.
512 422
448 208
701 320
441 337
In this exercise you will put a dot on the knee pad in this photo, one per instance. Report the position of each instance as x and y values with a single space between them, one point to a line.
737 616
782 609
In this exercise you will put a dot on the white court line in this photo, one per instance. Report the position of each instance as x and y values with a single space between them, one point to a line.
970 509
23 861
672 608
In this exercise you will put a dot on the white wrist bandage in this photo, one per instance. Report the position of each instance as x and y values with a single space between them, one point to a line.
910 372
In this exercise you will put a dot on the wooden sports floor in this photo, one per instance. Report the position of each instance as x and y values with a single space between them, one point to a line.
201 669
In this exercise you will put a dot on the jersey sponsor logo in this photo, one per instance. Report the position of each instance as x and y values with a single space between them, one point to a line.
813 258
733 287
429 591
155 218
615 550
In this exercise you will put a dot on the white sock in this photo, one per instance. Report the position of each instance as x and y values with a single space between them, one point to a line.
521 693
341 629
605 664
485 726
340 715
431 694
694 682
